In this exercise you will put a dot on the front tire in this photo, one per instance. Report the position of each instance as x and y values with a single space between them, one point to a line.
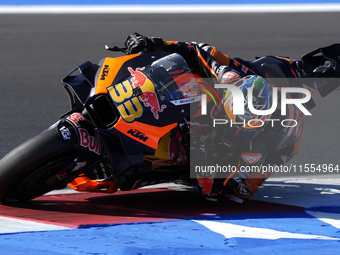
25 170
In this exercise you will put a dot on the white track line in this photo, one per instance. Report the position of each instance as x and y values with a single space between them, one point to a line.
330 218
11 225
212 8
229 230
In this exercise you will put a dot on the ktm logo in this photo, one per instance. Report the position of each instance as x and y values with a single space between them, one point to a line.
105 72
141 136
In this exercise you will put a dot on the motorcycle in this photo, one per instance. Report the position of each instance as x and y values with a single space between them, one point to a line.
129 124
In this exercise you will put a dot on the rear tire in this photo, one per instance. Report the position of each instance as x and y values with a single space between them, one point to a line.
24 170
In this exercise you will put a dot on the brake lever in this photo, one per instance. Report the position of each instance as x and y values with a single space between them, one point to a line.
116 48
322 69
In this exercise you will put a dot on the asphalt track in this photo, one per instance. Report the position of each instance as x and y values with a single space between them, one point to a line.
36 51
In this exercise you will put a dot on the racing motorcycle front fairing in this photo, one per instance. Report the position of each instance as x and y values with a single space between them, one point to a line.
132 101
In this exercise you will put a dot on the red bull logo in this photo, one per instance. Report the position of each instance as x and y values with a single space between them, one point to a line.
138 78
148 97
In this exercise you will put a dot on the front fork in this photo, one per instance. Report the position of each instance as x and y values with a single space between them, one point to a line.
76 130
82 135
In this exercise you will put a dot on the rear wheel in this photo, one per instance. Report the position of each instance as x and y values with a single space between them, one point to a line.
25 171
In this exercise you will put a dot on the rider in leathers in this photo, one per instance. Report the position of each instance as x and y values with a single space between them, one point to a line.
268 146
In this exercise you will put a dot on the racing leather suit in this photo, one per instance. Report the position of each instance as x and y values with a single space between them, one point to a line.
274 147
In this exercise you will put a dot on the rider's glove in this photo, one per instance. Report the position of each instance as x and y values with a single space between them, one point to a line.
136 43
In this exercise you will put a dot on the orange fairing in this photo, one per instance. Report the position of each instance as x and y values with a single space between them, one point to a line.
109 70
143 133
85 184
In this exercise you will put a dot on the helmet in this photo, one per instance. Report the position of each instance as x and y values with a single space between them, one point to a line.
242 129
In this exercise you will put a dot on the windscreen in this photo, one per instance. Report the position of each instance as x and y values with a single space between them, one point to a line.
173 79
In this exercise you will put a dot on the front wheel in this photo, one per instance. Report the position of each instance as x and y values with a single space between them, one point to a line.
25 170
